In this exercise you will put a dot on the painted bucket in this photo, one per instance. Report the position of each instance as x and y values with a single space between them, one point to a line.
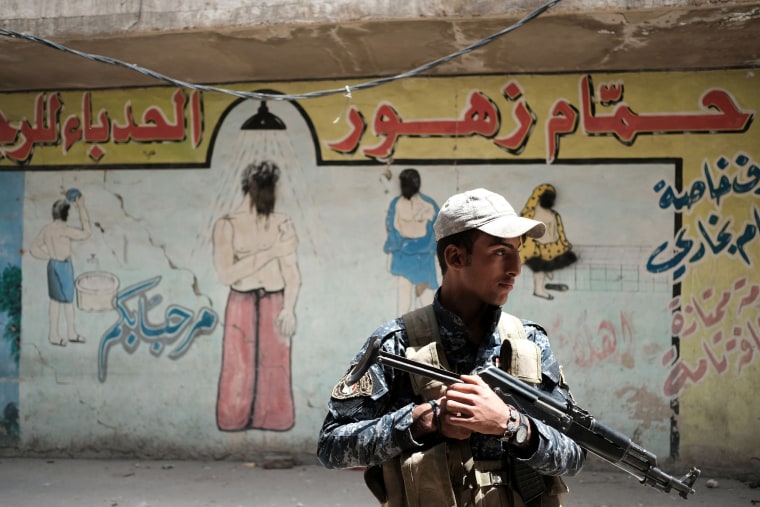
96 291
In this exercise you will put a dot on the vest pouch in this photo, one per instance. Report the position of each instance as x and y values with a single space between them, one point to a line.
386 483
426 478
431 354
521 359
373 478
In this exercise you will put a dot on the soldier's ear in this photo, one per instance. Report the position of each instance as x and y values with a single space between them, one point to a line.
455 256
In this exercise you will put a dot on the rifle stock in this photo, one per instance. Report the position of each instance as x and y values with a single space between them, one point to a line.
607 443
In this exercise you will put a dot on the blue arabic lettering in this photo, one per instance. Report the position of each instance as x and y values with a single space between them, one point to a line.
132 327
745 180
688 250
723 237
206 323
685 200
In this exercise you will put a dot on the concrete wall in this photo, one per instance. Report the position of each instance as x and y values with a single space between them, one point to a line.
656 324
65 18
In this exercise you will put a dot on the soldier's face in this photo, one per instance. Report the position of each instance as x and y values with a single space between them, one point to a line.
492 268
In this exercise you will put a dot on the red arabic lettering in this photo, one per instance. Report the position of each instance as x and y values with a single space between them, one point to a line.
710 319
154 126
720 365
71 132
99 132
738 345
350 143
196 115
610 93
678 321
44 131
721 115
18 142
749 298
386 124
563 121
680 373
591 347
8 134
523 115
748 349
481 117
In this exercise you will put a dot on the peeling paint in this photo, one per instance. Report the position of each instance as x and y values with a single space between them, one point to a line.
648 407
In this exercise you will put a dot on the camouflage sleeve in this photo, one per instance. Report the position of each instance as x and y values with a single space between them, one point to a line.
365 443
369 422
557 454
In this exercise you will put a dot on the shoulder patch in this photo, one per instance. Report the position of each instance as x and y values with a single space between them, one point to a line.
363 387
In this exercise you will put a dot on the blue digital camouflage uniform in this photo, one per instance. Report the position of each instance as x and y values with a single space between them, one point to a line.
369 423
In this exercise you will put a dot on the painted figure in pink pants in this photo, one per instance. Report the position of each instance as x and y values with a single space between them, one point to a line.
255 254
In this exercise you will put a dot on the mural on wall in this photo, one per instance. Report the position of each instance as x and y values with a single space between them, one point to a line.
645 280
730 176
178 328
545 255
719 112
53 244
255 254
11 197
79 131
732 325
410 241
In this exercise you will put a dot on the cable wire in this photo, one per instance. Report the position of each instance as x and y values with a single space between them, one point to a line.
275 96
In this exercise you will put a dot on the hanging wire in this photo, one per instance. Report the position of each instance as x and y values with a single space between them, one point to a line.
273 96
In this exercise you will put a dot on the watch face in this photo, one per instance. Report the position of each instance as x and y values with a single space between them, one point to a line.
522 435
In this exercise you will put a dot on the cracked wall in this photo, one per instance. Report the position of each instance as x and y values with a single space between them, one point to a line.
656 183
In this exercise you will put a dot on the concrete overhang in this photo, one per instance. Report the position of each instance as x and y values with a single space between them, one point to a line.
679 37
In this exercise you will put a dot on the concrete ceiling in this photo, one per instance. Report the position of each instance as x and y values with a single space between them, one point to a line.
675 38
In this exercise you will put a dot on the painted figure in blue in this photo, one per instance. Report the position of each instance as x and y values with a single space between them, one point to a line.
411 242
53 244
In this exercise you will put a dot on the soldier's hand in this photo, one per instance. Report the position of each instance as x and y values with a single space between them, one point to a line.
472 405
425 422
449 429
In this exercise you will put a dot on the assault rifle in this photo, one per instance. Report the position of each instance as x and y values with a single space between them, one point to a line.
578 424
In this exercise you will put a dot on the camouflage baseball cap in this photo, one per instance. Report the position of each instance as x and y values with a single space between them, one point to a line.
484 210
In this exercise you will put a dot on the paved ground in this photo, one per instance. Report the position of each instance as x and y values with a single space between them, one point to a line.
129 483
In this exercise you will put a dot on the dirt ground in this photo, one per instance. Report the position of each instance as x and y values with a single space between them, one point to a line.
26 482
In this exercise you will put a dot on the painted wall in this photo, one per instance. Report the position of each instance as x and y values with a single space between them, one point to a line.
656 322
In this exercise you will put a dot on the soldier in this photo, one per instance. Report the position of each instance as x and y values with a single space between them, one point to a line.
424 443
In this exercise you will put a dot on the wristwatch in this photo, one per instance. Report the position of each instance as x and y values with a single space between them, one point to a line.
521 435
512 425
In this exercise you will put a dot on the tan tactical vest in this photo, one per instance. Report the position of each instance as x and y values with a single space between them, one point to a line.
446 475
